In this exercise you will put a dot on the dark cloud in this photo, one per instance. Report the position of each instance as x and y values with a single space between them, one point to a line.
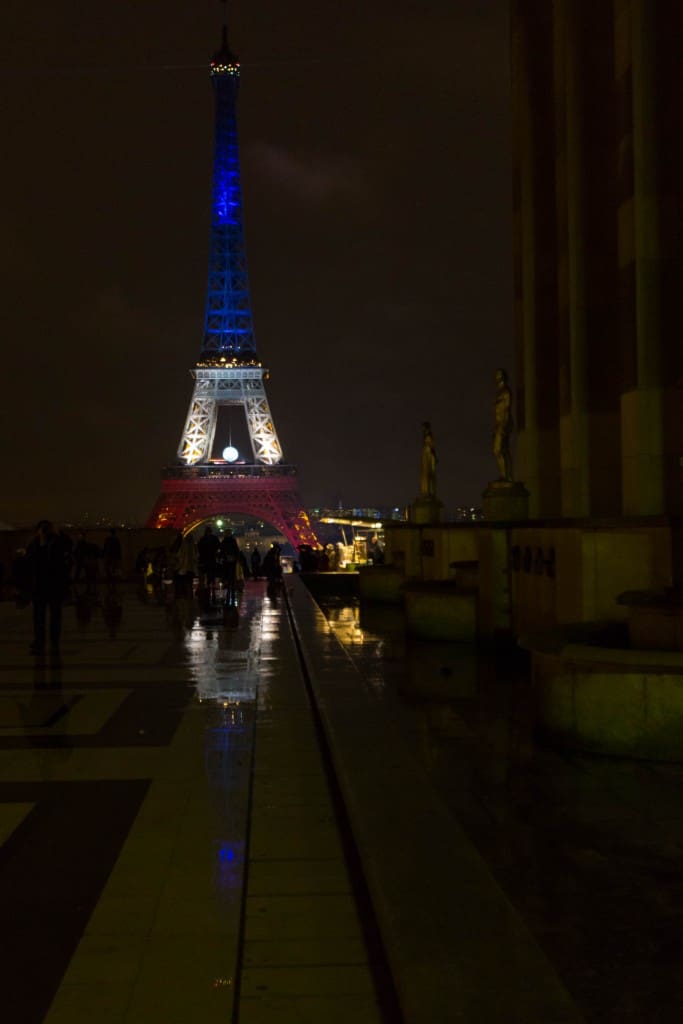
310 178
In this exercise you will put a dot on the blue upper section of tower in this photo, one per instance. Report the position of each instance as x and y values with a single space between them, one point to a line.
228 328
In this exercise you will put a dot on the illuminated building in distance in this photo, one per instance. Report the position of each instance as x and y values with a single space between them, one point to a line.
204 484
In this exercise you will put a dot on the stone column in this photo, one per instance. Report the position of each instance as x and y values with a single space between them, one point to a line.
641 406
535 255
574 435
524 217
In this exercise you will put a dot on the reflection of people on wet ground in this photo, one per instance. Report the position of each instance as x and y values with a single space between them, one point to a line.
156 566
112 611
271 567
49 581
256 563
84 601
228 557
91 555
231 615
149 588
111 551
182 611
141 562
45 703
67 545
207 550
243 571
79 556
20 578
47 676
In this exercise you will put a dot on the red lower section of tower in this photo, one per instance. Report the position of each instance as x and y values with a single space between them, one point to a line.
194 493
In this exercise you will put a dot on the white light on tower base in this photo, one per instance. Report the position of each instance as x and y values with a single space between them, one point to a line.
230 454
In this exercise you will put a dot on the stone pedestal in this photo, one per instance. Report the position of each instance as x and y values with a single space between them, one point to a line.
608 700
505 499
655 620
425 510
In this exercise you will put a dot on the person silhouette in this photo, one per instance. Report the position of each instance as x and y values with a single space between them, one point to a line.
48 573
255 563
228 556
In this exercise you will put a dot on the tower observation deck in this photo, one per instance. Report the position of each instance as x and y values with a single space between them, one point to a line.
229 371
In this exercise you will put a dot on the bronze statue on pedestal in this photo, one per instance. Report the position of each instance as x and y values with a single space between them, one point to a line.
503 427
428 463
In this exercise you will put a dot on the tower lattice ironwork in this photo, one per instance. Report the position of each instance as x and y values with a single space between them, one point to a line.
229 372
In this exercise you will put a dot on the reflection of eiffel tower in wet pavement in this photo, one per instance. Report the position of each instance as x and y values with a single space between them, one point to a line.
229 372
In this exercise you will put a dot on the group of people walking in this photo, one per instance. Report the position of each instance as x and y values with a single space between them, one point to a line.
44 572
224 560
213 561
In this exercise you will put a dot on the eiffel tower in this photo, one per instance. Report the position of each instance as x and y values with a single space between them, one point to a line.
229 372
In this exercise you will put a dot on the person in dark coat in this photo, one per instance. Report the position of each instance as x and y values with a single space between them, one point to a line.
256 563
272 569
48 573
68 549
228 557
207 550
79 556
111 549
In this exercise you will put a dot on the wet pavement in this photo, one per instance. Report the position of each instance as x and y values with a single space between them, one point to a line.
170 847
588 850
265 815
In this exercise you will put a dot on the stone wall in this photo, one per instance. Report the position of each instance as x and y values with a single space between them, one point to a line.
536 575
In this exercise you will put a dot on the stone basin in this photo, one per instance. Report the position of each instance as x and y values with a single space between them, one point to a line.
614 700
655 618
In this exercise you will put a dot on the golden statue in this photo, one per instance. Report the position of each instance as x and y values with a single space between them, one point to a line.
503 427
428 463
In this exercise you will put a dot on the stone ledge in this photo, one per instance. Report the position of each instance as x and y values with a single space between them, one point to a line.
612 701
458 949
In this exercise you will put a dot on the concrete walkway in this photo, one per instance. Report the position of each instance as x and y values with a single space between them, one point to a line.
176 848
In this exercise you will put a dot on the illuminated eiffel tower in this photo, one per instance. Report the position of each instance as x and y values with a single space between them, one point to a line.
229 372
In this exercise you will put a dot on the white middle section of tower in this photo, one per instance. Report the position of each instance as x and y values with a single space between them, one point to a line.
217 386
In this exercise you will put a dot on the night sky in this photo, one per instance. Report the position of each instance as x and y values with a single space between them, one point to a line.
377 203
